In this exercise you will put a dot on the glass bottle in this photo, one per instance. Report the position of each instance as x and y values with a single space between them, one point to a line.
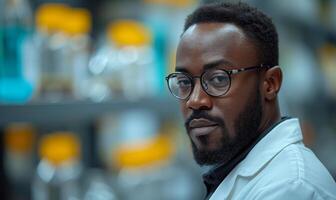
58 174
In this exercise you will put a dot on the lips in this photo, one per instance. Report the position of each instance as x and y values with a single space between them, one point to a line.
201 126
199 123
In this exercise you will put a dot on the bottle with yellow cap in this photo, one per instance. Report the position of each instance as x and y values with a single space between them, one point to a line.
58 173
125 65
63 48
77 29
18 160
55 76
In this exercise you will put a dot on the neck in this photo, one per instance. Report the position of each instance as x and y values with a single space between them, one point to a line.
272 115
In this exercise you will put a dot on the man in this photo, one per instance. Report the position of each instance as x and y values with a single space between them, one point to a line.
227 79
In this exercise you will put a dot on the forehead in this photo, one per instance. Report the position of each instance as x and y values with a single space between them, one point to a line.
209 42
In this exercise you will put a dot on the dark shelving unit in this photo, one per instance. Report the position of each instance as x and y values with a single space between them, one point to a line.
44 112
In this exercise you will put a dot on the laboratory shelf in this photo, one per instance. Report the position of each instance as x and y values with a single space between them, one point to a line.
43 112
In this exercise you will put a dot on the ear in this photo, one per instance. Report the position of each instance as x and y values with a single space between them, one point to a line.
272 83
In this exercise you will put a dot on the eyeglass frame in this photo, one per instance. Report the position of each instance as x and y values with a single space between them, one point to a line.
229 72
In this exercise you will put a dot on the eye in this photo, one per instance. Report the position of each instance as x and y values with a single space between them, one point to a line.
183 82
219 80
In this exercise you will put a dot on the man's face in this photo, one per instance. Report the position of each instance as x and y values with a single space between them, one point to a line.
220 127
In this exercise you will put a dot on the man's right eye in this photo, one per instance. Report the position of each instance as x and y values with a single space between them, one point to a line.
183 82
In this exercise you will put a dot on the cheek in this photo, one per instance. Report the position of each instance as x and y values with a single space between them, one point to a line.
184 109
228 109
230 106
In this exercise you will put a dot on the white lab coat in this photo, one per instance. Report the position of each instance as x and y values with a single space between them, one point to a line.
279 167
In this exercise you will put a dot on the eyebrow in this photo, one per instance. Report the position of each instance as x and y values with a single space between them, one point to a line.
207 66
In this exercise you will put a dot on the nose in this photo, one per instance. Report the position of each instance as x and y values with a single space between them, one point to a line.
199 99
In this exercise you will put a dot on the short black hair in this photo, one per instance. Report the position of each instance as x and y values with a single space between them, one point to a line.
256 25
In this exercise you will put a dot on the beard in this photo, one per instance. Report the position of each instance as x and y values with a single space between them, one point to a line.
246 131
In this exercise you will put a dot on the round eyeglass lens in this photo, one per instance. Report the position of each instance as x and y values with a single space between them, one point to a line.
216 82
180 85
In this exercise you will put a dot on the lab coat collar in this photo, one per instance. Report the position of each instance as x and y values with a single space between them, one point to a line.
284 134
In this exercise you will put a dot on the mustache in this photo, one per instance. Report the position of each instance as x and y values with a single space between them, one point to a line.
197 114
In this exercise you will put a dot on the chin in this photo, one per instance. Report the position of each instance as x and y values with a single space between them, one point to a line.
207 148
207 154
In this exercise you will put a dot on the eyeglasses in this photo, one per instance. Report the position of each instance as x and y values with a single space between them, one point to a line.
215 82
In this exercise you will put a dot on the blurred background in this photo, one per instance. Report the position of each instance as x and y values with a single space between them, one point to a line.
85 112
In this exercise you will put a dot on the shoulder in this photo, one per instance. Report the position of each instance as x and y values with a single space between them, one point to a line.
295 172
290 189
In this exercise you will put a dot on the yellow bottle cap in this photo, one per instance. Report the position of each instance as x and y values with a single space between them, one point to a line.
51 16
143 154
19 137
78 22
129 33
59 147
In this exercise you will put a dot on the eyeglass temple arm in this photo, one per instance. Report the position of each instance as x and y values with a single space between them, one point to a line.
235 71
